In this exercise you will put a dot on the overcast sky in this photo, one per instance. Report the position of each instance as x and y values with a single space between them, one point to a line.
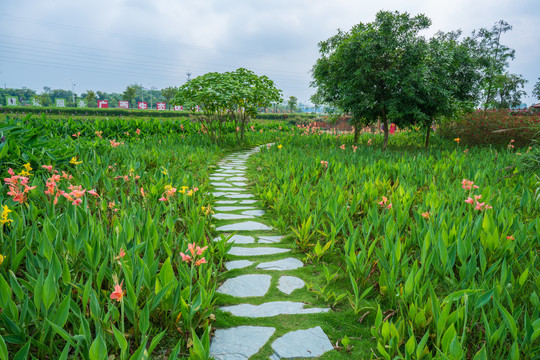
107 45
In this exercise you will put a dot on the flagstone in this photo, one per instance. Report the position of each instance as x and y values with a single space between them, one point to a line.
247 202
244 226
287 284
297 344
217 183
239 196
238 239
237 178
270 309
225 216
246 285
283 264
239 184
239 343
238 264
232 171
232 208
235 189
269 239
244 251
227 202
253 212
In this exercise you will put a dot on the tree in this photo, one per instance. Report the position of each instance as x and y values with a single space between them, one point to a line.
90 97
251 92
129 94
169 93
536 90
292 103
495 58
361 71
230 96
508 91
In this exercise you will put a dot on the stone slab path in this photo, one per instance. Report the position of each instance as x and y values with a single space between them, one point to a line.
254 241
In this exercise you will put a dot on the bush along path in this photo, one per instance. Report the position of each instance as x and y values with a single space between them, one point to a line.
259 319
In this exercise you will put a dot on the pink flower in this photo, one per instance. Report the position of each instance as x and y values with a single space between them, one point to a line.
389 206
342 147
469 200
479 206
510 237
122 253
142 192
201 250
354 148
200 261
138 131
477 197
93 192
324 163
48 167
383 202
191 248
77 202
163 198
11 172
425 215
185 257
118 293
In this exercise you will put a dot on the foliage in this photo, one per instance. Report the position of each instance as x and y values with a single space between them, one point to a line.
97 216
129 94
493 127
169 93
292 103
446 247
536 90
225 97
507 90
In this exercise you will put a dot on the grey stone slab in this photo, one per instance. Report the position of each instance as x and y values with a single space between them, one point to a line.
297 344
244 226
247 202
239 184
237 178
238 264
270 309
239 239
232 208
269 239
227 202
235 189
217 183
231 171
283 264
239 196
239 343
225 216
287 284
253 212
244 251
217 178
246 285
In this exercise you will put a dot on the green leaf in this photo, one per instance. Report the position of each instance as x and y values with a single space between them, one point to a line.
481 354
49 290
120 339
98 349
3 349
23 353
144 319
509 320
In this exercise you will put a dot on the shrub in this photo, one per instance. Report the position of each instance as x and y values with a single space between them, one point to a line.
493 127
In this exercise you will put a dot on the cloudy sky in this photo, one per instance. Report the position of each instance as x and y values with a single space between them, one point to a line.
107 45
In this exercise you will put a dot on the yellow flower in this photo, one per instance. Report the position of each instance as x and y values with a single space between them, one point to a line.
189 193
1 259
4 216
457 140
28 167
280 146
164 171
74 161
24 173
183 189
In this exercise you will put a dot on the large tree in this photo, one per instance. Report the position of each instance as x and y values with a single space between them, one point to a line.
362 71
230 96
90 97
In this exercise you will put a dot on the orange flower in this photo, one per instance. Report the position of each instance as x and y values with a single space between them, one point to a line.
118 293
185 257
200 261
425 215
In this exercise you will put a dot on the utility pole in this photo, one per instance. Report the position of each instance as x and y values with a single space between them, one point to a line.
72 90
188 75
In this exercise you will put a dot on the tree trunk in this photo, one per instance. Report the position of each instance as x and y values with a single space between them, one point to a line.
356 134
385 124
427 135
